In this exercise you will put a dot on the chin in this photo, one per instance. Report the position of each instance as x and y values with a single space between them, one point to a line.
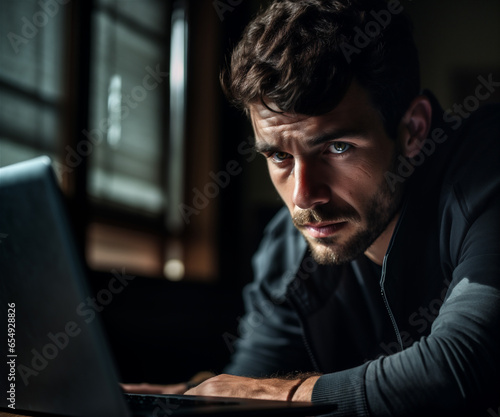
328 252
325 255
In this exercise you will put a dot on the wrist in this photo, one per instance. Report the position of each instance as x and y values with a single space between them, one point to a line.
302 391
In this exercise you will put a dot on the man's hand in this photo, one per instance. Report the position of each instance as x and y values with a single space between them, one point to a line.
155 389
299 389
179 388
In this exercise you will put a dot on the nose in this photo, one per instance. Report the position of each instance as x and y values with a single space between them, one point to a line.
310 188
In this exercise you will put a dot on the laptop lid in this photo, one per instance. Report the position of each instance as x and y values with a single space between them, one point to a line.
50 343
57 358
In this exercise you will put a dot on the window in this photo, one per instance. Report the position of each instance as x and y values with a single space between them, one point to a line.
31 79
127 140
128 123
101 87
129 78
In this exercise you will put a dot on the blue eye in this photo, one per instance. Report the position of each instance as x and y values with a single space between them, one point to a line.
339 147
280 156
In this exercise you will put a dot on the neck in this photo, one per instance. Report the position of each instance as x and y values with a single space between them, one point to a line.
378 249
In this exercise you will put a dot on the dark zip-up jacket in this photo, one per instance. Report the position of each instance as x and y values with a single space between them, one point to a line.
419 335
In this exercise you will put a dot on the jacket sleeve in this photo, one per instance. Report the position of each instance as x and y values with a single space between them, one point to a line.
454 370
270 339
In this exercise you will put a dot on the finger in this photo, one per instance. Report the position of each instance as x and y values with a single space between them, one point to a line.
175 389
145 388
141 388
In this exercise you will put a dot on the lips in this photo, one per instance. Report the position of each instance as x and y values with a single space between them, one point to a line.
321 230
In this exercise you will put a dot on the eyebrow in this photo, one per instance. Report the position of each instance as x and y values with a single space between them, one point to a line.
264 147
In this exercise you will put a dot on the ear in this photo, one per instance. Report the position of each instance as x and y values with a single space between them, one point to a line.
414 126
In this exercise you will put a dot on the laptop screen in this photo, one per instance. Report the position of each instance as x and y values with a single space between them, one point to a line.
58 354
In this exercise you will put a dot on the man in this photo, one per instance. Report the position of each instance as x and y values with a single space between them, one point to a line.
378 288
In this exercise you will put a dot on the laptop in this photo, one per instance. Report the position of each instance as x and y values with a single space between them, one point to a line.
55 360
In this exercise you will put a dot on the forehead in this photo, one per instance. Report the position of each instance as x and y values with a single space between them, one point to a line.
354 114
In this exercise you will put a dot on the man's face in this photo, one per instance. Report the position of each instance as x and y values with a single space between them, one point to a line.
329 170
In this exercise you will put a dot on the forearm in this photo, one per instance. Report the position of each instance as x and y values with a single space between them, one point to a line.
453 371
298 388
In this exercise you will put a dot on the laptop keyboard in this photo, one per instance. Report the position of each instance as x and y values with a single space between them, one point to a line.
165 403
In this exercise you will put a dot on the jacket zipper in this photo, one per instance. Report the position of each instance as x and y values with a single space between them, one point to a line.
383 276
297 308
386 301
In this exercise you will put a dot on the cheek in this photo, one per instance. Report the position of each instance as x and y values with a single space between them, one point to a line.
279 181
356 183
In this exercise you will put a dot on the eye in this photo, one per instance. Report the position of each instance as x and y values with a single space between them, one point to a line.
280 156
339 147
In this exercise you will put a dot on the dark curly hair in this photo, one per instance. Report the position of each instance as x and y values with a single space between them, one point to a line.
302 55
